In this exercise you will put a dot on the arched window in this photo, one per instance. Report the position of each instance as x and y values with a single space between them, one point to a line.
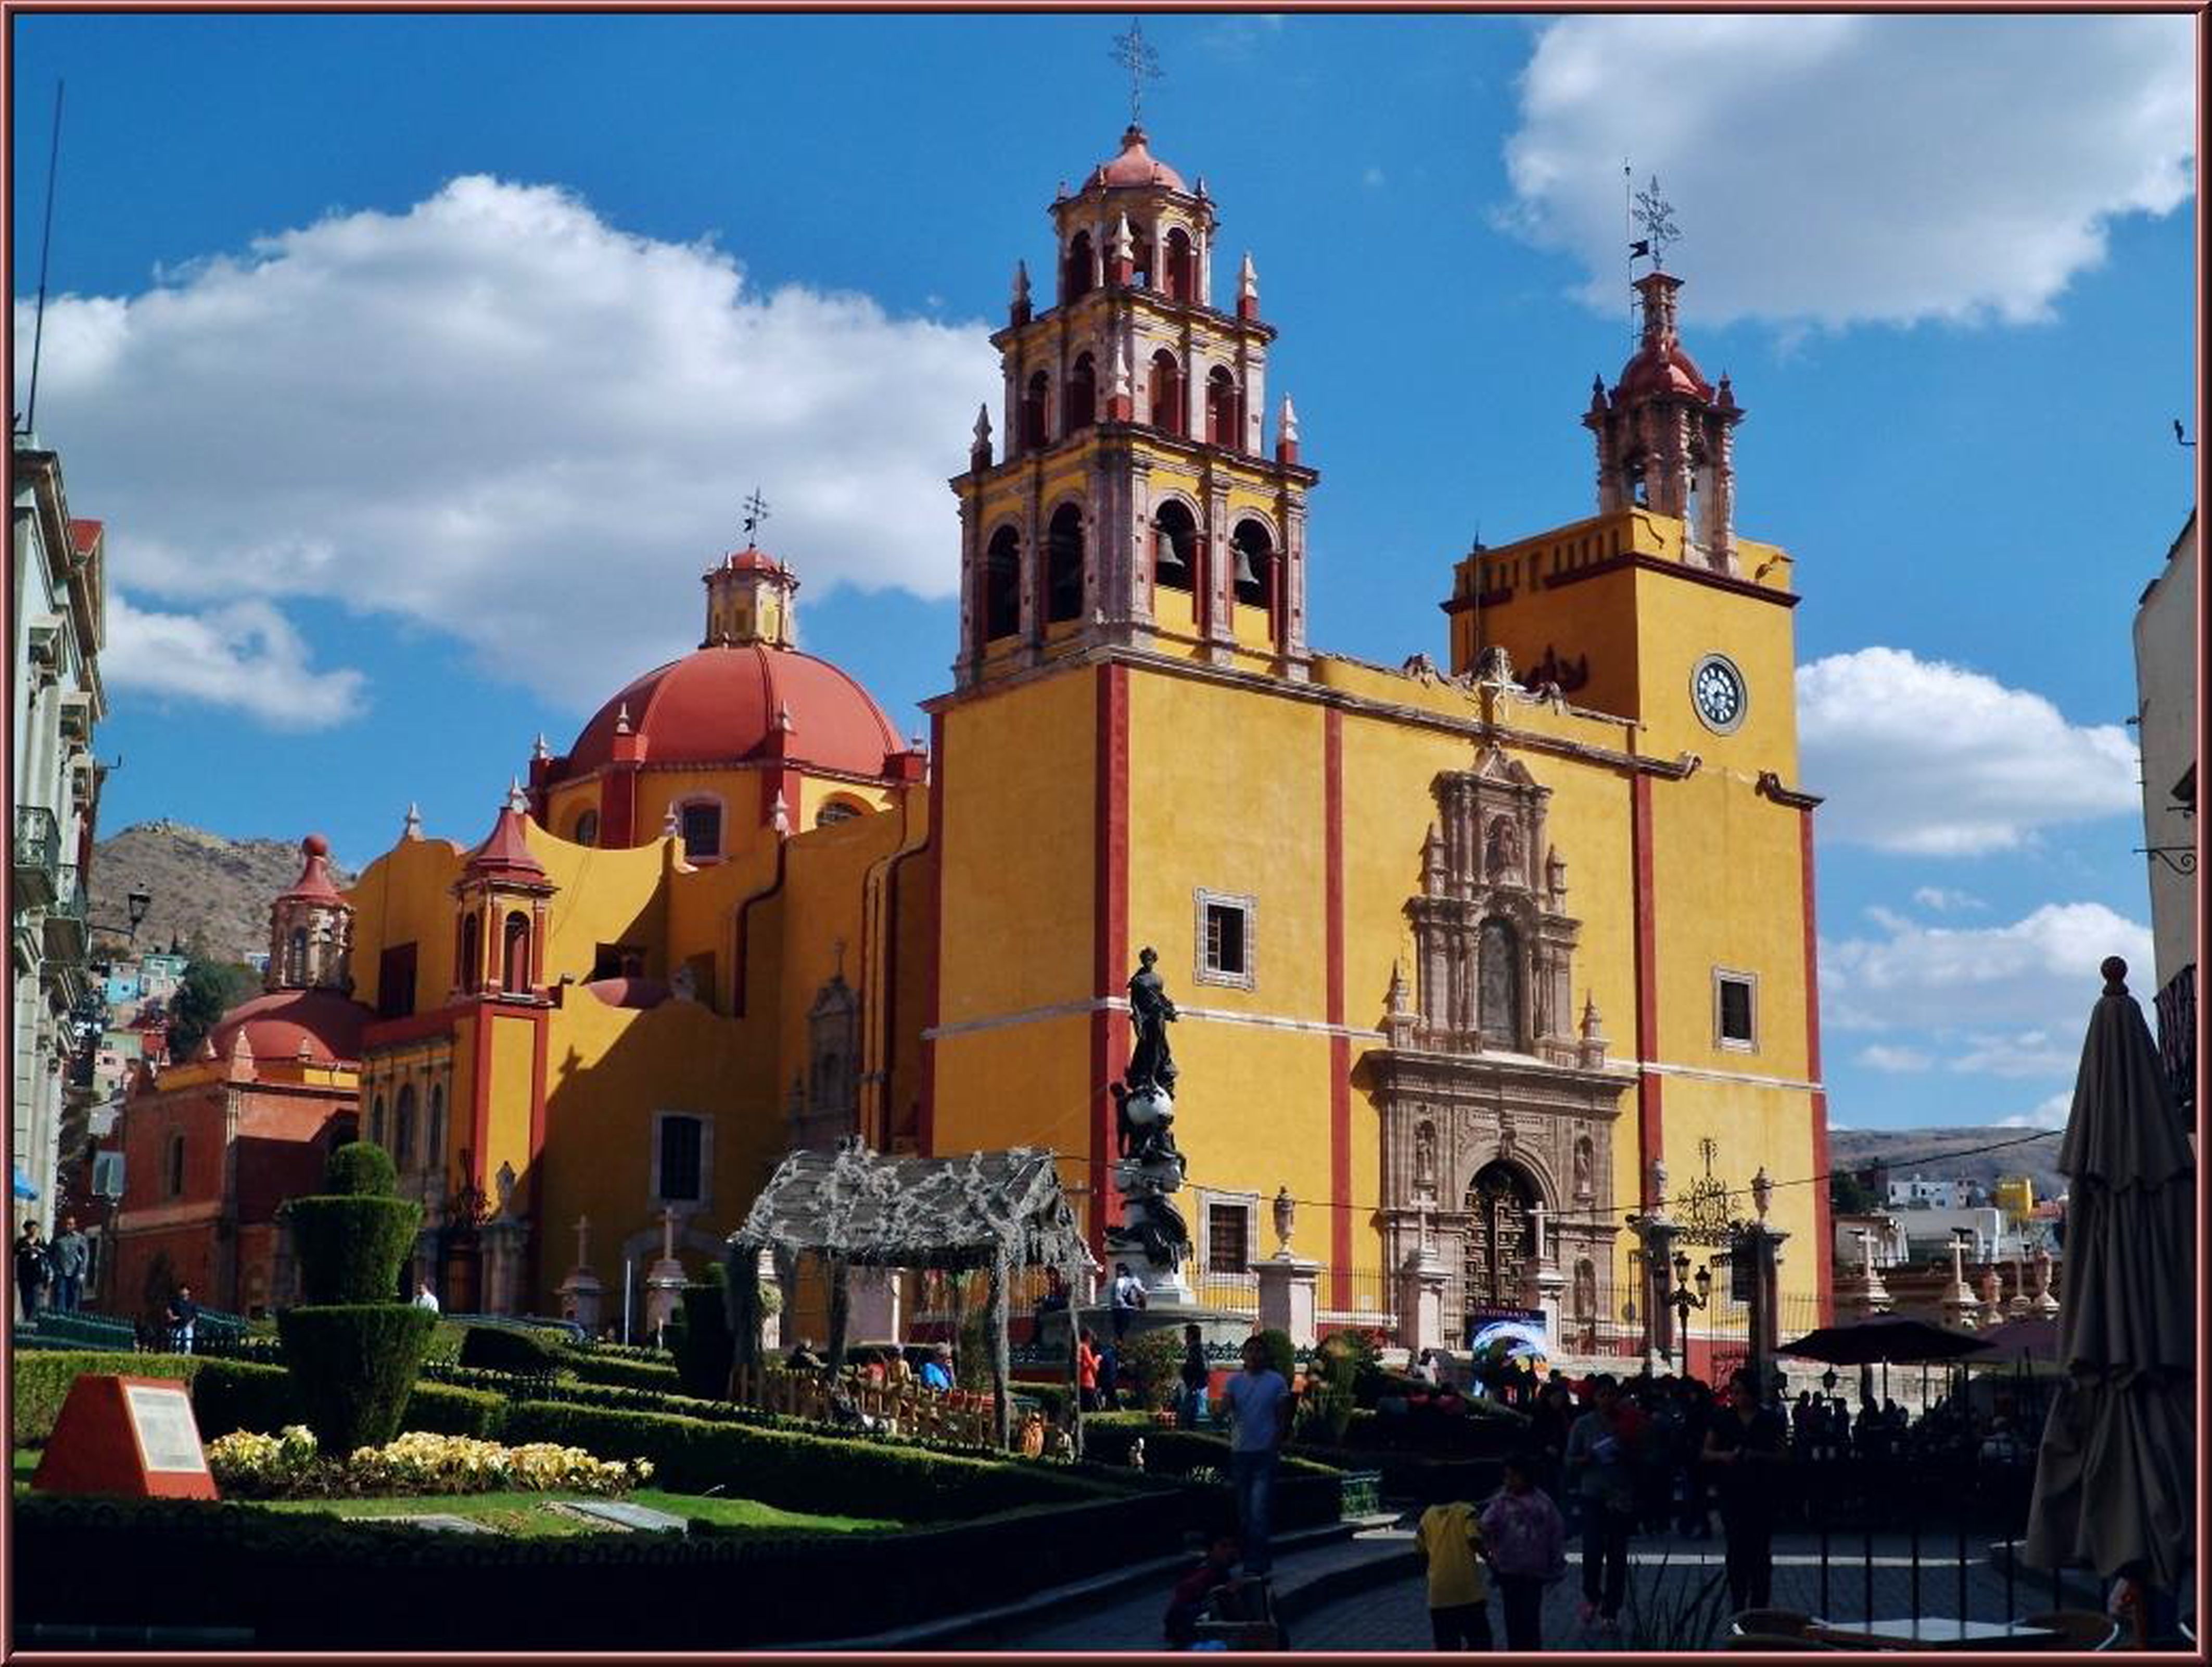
586 829
471 954
1255 556
1063 564
835 811
1167 406
1002 584
700 825
434 1131
1175 548
1034 399
1075 274
1181 273
376 1122
1498 970
1141 257
1082 394
1222 428
403 1130
1499 1237
515 950
175 1177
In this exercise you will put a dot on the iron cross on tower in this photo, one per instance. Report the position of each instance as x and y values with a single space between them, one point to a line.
1656 216
1142 63
756 508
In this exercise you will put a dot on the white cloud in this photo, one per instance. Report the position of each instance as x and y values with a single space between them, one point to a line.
1924 757
497 415
1829 169
2050 1114
1881 1056
1946 901
2018 1054
2036 978
245 654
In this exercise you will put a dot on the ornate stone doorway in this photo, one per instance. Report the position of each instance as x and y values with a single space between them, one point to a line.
1500 1240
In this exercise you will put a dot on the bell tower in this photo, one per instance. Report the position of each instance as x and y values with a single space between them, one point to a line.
1664 435
1132 497
311 928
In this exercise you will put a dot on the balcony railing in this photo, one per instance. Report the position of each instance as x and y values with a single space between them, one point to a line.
66 916
37 850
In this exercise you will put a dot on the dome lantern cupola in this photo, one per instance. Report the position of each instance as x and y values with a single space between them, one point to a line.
751 598
311 928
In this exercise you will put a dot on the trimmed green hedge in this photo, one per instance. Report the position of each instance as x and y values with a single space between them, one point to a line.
43 1376
197 1564
509 1348
1309 1494
353 1367
350 1247
795 1470
593 1367
361 1169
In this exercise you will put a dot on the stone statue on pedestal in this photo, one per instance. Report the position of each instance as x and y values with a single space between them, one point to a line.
1150 1168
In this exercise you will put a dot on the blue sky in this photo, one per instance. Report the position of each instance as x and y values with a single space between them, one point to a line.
419 365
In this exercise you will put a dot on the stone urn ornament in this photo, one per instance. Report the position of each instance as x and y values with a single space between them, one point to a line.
1286 1210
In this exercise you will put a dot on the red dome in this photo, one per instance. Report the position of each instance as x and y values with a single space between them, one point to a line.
719 705
1136 165
275 1024
1661 368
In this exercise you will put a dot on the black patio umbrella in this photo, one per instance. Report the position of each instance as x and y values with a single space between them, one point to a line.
1891 1338
2114 1477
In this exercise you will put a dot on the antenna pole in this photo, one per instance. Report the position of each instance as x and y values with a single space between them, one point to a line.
45 248
1627 241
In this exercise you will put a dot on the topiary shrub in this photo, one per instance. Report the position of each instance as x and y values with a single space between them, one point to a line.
1282 1354
354 1366
350 1247
352 1351
1152 1366
704 1347
510 1349
363 1168
1329 1403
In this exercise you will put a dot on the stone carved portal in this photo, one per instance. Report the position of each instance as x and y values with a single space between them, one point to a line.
1490 1105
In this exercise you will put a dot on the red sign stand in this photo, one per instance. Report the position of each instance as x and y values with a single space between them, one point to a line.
135 1437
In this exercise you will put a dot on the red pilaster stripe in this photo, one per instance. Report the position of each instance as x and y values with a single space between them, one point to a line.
1649 1146
540 1023
926 1127
1824 1247
1339 1046
1109 1030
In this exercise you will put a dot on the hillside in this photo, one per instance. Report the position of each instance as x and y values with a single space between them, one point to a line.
207 889
1930 1151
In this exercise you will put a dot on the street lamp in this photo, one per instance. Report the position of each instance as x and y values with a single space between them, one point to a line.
1685 1301
137 902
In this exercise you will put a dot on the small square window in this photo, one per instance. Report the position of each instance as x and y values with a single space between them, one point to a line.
1224 940
1735 1011
703 830
1228 1239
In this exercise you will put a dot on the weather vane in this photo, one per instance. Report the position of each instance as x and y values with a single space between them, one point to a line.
1656 215
1142 63
755 513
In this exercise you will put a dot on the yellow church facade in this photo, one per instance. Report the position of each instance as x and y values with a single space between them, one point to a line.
1475 961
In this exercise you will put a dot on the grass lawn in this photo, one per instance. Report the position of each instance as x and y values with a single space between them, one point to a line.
531 1516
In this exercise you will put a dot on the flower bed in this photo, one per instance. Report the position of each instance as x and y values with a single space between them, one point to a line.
288 1465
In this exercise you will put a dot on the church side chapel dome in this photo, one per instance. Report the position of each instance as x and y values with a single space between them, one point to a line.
307 1003
746 683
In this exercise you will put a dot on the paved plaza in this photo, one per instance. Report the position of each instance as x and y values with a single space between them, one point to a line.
1389 1611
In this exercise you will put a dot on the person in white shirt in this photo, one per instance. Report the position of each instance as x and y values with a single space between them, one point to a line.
1128 1298
424 1297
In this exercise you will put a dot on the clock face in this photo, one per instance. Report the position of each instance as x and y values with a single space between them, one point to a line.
1716 690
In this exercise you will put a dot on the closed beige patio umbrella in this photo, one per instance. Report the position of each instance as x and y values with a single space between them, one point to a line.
2115 1476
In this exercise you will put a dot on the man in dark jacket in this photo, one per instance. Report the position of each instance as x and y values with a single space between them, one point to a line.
33 1269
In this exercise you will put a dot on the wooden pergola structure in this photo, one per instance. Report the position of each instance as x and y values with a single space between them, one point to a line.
996 1211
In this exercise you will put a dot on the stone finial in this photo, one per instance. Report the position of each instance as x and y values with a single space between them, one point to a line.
622 719
1122 245
517 800
1120 388
1593 1026
412 828
1248 280
539 751
779 815
1397 990
983 427
2116 976
1762 1191
1021 295
783 717
1286 1210
1286 423
1555 874
672 823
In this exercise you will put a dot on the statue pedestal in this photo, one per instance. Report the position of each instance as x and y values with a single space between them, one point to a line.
580 1295
501 1238
1421 1302
664 1292
1290 1296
